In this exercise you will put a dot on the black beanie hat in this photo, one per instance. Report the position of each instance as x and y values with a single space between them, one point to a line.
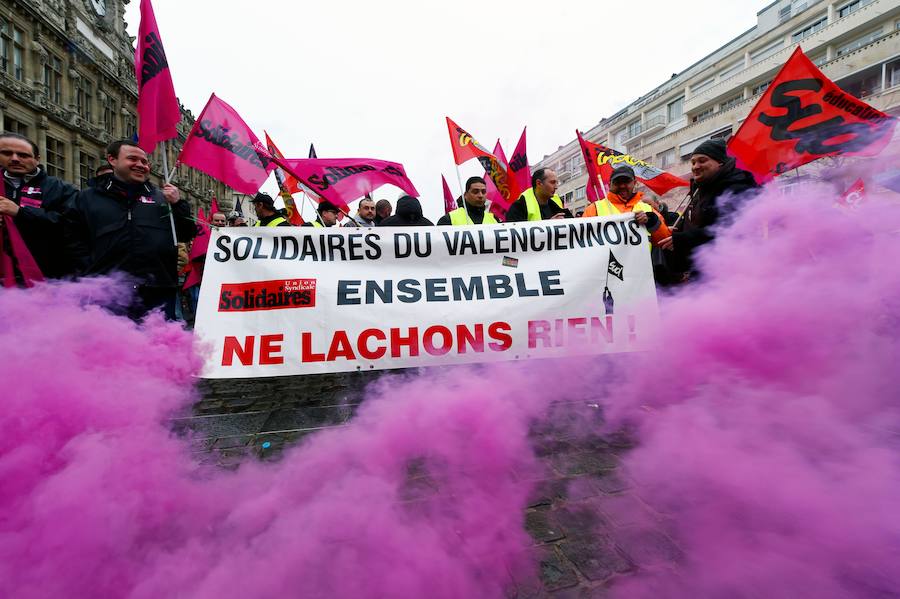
326 206
714 148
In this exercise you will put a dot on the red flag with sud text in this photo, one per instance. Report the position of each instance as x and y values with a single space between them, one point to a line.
449 200
594 194
222 145
157 107
854 196
343 180
602 159
804 116
465 148
287 185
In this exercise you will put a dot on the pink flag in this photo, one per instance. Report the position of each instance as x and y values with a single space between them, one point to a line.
499 205
343 180
519 171
213 207
223 146
20 258
199 247
157 107
449 200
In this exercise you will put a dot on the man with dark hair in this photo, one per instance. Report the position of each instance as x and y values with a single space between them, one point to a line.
236 219
474 211
365 214
124 225
383 210
717 188
540 202
103 171
35 202
268 215
218 220
328 215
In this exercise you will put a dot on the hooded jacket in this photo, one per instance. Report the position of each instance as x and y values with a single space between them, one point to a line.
125 227
42 200
711 202
408 214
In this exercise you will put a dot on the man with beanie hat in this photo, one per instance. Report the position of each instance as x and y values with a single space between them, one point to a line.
328 215
268 215
717 188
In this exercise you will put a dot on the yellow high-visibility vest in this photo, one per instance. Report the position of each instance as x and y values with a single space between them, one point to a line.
274 223
532 205
460 217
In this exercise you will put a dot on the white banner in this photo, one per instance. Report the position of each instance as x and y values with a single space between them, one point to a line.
284 301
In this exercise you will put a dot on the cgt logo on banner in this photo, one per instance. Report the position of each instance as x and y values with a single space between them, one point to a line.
279 303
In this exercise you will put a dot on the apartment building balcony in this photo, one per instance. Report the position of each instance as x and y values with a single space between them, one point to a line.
878 12
649 127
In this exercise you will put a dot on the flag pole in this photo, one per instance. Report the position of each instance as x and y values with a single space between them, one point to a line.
168 177
462 196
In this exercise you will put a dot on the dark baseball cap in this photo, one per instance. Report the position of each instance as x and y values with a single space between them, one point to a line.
326 206
265 199
622 171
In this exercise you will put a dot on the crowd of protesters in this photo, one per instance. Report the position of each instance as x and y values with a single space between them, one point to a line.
123 223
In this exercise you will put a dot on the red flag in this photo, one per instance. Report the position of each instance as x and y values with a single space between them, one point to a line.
449 200
465 148
594 193
519 171
223 146
287 185
499 204
804 116
213 207
19 257
343 180
606 159
157 107
199 247
854 196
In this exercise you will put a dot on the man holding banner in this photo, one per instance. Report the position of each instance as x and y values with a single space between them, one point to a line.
539 202
474 212
123 225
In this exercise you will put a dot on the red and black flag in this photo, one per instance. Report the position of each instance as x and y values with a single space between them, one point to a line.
601 161
466 148
804 116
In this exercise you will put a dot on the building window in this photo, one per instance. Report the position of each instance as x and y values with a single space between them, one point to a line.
55 160
84 99
634 128
703 115
579 193
109 116
893 73
11 125
87 164
703 86
784 14
731 102
53 79
620 138
760 88
810 29
766 51
5 45
852 7
676 109
734 69
18 54
665 159
859 42
567 199
129 125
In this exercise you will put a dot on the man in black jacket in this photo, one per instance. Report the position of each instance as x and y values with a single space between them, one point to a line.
124 225
717 189
35 201
409 214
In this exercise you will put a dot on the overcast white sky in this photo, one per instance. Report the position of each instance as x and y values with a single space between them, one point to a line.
376 79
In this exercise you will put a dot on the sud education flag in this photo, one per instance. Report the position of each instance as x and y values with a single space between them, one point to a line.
465 148
157 107
804 116
602 160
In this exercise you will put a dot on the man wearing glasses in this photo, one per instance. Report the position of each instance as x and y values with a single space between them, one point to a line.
474 211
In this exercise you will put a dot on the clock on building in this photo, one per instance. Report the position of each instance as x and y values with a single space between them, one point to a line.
99 7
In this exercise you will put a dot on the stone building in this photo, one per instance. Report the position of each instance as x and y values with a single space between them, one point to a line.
856 43
67 82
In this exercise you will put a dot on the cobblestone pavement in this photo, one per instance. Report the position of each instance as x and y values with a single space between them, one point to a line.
589 526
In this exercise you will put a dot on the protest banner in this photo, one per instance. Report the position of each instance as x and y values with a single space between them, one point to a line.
278 301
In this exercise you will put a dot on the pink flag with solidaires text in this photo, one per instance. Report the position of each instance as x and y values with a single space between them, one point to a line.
157 107
343 180
223 146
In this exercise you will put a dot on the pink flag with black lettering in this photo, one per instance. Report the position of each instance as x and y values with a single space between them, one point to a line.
157 107
343 180
519 171
449 200
223 146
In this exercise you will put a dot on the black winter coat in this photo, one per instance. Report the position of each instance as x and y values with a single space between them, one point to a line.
42 200
125 227
712 203
409 214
